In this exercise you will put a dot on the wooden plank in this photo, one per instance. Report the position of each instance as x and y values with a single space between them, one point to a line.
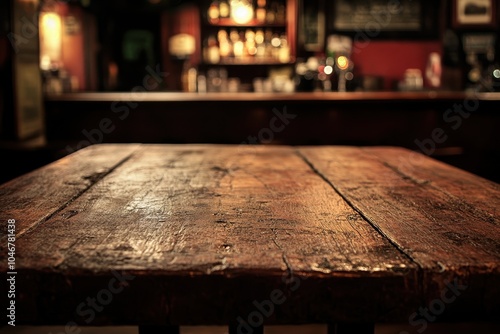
34 197
207 231
453 239
467 190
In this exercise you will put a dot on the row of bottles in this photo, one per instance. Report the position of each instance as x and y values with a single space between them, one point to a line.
233 45
244 11
216 79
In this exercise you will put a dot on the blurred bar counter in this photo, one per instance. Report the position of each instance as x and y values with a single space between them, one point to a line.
295 97
456 127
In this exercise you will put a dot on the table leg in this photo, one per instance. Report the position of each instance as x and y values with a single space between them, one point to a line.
346 328
153 329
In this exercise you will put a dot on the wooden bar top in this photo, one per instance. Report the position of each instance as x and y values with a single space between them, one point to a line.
204 234
296 97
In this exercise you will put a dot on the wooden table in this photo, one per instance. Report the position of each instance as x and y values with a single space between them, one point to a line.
167 235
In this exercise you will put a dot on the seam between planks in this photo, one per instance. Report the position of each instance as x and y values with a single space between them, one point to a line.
419 269
393 243
93 181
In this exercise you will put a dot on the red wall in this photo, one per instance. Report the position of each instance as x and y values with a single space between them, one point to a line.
390 59
73 55
186 20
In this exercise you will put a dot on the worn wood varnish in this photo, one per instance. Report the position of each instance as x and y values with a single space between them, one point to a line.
444 219
203 234
38 195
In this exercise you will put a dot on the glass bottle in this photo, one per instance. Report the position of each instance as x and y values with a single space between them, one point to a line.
213 12
224 9
259 43
261 12
213 50
224 45
239 47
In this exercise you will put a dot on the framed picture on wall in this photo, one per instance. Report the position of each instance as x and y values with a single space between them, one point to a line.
382 19
28 97
474 13
312 30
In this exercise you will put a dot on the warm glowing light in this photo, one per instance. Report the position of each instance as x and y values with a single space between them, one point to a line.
45 63
181 45
259 36
342 62
328 70
51 21
50 38
276 42
238 49
241 12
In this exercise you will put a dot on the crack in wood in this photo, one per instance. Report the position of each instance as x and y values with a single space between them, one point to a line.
283 255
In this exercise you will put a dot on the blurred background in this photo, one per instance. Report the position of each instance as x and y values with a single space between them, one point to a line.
418 74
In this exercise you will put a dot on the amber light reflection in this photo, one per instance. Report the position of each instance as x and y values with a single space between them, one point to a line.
50 39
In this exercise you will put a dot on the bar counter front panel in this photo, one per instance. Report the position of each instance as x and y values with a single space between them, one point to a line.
456 127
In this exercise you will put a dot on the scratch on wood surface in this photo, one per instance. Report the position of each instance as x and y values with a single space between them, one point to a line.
283 256
220 266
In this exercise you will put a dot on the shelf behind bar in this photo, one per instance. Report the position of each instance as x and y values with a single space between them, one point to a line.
263 97
254 23
249 61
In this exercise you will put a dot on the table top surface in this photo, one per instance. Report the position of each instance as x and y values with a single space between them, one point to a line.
205 231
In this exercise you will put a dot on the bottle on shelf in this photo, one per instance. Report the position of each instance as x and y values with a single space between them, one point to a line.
284 51
213 12
250 47
201 84
259 42
275 43
225 46
213 53
238 47
224 9
260 12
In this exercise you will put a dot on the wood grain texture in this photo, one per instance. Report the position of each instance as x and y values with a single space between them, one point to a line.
444 219
206 230
204 234
33 198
